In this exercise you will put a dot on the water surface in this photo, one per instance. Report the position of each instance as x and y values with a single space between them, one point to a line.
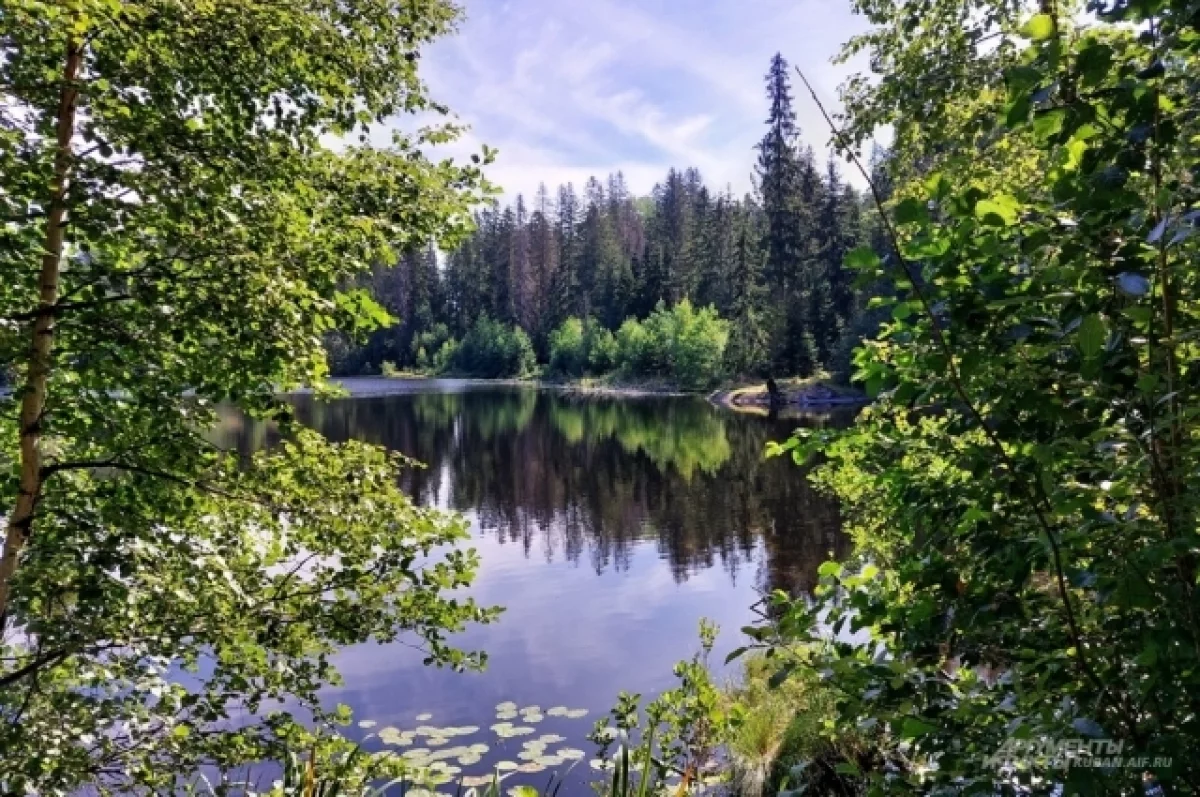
607 527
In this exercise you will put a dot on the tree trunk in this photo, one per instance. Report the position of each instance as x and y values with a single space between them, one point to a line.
33 392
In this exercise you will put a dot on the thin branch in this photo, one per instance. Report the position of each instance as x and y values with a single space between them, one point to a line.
1035 496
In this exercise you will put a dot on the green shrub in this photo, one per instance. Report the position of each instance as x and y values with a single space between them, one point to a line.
697 344
388 368
683 343
427 345
568 350
602 350
443 359
633 347
493 350
578 347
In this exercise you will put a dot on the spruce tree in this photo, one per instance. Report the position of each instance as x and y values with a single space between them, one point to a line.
748 340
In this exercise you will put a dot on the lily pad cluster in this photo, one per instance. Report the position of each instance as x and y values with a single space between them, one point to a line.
430 749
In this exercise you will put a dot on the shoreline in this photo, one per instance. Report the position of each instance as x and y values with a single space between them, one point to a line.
814 394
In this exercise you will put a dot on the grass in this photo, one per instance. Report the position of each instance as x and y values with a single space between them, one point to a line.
788 725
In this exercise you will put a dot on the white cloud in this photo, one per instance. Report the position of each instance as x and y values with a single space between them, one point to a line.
567 90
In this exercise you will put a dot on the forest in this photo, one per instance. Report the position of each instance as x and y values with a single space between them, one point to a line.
769 265
1010 601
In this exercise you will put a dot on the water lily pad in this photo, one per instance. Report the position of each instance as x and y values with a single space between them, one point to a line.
558 711
465 730
531 767
534 744
507 706
367 723
448 753
532 710
436 741
392 736
478 748
418 792
549 761
576 713
416 752
507 766
507 715
551 738
570 754
469 758
424 717
529 755
600 764
501 726
520 730
533 717
427 730
474 781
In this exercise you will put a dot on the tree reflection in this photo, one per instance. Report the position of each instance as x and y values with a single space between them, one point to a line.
586 478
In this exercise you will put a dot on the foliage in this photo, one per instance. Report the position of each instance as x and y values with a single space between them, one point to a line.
176 235
771 262
1020 489
568 351
686 344
792 738
430 352
679 738
578 347
603 353
491 349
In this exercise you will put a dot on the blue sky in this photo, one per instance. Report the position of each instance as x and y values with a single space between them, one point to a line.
569 88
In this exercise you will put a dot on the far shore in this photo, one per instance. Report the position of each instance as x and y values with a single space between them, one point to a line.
811 394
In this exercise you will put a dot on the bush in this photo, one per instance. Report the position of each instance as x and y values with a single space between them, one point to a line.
601 349
682 343
633 348
426 346
697 344
388 368
579 347
443 359
493 350
568 351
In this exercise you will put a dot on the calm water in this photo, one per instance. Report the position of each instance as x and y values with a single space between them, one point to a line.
607 528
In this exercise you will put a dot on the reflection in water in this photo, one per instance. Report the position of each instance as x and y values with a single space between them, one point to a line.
606 527
585 478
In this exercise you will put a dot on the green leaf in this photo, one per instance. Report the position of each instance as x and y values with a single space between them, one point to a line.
862 258
913 728
1092 335
911 211
1049 122
998 211
1039 28
829 570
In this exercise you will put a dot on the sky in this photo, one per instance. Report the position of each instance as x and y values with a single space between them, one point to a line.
566 89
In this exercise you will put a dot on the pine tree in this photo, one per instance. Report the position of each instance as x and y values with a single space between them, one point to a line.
565 299
543 264
522 285
748 340
779 173
778 176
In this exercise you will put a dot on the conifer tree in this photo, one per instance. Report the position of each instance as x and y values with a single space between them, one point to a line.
748 343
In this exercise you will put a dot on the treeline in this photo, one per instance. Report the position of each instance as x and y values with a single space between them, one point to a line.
768 265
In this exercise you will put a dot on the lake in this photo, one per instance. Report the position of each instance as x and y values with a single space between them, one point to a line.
607 527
